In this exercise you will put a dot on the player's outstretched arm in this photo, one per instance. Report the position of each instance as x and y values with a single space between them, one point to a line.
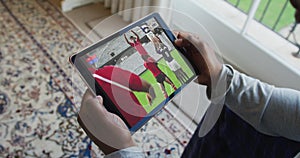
126 39
137 36
136 83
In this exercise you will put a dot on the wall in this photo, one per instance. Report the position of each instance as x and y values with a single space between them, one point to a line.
68 5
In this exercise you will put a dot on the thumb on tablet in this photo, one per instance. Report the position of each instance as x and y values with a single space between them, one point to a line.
106 130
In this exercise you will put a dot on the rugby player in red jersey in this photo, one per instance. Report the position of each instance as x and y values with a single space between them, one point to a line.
119 85
160 76
136 43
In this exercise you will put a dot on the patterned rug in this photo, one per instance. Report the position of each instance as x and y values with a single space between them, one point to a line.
37 94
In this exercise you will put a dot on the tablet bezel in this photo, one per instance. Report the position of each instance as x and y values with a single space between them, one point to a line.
96 88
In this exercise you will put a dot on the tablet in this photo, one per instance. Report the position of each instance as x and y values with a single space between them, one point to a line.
137 70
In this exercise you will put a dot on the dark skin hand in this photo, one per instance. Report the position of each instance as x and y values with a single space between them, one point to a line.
105 129
109 132
202 56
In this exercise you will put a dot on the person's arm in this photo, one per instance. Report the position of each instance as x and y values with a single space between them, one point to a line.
274 111
202 57
136 35
131 152
126 39
136 83
271 110
106 130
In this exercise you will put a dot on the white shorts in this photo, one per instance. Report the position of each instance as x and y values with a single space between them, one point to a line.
173 65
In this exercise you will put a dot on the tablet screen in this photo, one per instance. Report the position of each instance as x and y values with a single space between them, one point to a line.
137 70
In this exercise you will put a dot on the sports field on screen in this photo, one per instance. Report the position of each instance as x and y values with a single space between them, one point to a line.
147 75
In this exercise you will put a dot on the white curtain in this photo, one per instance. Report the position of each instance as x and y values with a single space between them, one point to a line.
123 7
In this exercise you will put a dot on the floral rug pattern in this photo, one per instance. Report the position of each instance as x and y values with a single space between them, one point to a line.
38 94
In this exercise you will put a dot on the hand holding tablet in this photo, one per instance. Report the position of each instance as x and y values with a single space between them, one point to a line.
128 85
136 70
106 129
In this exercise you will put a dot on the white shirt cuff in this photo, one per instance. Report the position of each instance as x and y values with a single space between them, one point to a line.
130 152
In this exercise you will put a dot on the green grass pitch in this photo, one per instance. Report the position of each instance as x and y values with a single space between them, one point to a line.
147 75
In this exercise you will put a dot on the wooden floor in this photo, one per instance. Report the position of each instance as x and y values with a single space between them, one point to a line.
94 20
